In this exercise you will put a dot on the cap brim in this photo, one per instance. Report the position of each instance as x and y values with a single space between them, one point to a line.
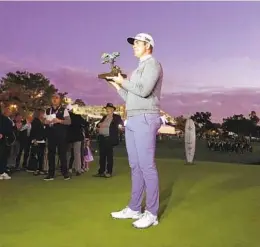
131 41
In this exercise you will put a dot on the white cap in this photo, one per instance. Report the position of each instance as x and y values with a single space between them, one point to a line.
69 107
142 37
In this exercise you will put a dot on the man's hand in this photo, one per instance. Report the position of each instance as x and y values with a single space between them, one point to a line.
34 142
116 86
56 120
1 136
117 79
47 122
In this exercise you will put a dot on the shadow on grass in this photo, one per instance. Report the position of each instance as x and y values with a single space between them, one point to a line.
165 197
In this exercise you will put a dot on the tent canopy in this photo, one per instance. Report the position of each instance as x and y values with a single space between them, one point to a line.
166 129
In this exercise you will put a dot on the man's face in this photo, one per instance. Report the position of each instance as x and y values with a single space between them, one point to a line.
18 118
110 110
41 115
7 112
140 48
55 100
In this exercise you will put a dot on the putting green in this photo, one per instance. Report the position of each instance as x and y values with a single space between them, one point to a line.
207 205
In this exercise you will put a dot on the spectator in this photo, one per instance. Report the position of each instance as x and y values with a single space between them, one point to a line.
108 138
38 143
6 131
57 119
75 139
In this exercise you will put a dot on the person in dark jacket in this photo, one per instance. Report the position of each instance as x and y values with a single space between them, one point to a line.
57 119
6 131
108 138
18 121
38 143
24 143
75 139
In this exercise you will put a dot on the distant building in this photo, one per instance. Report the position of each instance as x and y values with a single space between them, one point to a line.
99 111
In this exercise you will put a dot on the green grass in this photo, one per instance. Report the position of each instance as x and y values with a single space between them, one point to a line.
175 150
206 205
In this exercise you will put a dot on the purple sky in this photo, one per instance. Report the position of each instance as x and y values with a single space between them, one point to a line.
203 47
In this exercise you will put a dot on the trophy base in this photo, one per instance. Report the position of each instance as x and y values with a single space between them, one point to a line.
110 74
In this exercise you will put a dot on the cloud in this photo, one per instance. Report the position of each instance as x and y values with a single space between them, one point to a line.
223 104
214 75
189 98
7 64
80 83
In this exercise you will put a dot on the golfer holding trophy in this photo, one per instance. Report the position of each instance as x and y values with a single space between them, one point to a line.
141 92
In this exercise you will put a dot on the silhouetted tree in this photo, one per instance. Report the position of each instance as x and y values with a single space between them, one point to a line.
239 125
180 123
31 91
202 121
253 117
79 102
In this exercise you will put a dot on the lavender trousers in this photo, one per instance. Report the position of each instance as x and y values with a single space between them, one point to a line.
140 133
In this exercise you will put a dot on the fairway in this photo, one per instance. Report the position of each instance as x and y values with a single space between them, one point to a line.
205 205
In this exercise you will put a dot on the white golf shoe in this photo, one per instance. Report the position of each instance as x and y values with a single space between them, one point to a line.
147 220
4 176
127 213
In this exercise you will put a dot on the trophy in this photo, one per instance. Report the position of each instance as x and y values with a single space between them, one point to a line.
115 70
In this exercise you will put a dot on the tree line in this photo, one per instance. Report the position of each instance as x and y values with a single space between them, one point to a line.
238 124
29 91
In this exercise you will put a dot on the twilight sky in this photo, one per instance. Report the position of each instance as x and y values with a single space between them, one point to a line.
204 47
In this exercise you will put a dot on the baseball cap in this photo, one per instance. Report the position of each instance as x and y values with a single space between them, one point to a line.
142 37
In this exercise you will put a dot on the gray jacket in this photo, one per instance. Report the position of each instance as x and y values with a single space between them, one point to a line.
142 91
